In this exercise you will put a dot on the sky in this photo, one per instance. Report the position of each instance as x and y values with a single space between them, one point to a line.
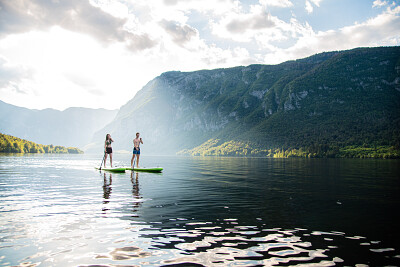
100 53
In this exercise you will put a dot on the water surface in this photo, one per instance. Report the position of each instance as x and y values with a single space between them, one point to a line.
56 210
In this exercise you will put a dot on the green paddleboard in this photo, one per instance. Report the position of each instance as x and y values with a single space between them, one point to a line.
112 169
143 169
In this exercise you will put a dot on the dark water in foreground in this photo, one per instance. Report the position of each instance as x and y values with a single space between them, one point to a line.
58 211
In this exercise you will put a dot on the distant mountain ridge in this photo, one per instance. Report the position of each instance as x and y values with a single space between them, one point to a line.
73 127
319 103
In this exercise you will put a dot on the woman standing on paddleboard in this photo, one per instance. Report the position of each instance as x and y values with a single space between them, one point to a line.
108 149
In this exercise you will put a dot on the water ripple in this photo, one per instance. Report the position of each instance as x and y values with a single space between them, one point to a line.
205 212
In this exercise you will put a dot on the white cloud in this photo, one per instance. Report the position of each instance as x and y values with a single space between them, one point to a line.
111 7
244 27
76 15
11 75
379 3
316 2
258 28
381 30
103 51
75 69
276 3
309 7
180 34
178 9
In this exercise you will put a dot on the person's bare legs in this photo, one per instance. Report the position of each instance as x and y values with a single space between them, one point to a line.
133 157
105 160
137 160
111 160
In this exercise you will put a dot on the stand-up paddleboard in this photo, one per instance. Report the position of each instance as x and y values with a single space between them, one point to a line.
144 169
111 169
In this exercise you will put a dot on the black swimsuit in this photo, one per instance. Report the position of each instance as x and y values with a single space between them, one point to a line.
108 149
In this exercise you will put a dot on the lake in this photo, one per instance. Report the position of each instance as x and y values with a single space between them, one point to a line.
57 210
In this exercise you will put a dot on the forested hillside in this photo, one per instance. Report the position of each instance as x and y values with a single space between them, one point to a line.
335 104
11 144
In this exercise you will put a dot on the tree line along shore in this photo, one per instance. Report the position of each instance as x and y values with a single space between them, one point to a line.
215 147
11 144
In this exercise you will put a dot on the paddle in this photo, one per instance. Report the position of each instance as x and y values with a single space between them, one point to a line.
102 160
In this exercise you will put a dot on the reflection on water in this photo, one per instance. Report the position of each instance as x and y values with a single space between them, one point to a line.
107 188
58 211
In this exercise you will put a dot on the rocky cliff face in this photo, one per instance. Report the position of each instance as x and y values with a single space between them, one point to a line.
337 96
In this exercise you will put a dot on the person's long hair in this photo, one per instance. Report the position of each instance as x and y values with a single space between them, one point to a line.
108 135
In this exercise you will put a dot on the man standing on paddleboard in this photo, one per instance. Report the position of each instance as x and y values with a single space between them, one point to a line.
136 150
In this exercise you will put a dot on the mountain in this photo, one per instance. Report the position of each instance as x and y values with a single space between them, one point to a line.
71 127
317 105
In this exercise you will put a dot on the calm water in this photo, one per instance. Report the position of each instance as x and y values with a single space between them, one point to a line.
59 211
